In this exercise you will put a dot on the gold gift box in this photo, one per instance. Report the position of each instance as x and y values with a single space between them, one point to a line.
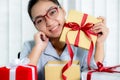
84 42
53 70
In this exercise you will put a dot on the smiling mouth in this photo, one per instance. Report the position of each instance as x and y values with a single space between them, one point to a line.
54 28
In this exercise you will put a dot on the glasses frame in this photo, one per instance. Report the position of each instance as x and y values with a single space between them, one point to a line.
34 21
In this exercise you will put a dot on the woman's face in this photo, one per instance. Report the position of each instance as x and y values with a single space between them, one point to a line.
48 18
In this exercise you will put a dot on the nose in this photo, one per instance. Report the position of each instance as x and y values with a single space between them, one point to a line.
49 21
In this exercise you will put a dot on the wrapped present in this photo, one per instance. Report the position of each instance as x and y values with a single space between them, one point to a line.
101 76
18 72
102 73
53 70
79 23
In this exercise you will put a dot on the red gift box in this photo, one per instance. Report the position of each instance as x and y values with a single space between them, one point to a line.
26 72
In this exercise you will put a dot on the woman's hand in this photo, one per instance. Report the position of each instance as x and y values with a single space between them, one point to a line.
41 40
102 31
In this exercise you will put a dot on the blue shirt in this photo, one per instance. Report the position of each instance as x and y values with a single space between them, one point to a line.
50 54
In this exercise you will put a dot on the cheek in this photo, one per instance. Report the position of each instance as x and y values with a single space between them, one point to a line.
41 28
61 18
44 30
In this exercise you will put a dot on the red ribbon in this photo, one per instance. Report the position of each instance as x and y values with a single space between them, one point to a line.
76 27
101 68
86 29
69 62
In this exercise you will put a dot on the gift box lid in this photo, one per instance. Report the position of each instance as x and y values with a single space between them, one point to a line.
75 62
76 16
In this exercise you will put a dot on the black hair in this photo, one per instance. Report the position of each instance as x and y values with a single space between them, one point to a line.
31 3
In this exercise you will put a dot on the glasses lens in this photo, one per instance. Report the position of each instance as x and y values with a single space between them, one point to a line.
52 13
40 21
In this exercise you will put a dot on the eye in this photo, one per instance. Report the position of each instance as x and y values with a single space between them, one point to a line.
52 12
39 21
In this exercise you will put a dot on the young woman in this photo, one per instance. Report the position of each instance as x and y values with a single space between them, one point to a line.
49 17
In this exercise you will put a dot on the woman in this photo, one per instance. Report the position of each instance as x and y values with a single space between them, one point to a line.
49 18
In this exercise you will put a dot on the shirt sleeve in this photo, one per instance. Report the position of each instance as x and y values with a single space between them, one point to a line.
27 47
83 54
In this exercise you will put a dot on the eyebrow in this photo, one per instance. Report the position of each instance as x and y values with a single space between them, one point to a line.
42 15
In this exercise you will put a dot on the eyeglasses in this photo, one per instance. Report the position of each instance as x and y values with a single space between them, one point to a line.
52 13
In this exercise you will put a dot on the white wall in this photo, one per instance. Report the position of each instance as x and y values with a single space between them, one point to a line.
16 27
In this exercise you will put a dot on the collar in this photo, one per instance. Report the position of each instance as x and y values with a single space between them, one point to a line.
51 51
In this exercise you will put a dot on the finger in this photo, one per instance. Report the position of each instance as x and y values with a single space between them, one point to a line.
102 18
43 37
98 31
99 24
97 27
102 31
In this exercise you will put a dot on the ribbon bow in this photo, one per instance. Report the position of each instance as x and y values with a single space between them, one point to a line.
83 27
74 26
101 68
16 62
16 65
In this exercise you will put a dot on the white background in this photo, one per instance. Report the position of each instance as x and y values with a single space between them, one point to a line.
16 27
